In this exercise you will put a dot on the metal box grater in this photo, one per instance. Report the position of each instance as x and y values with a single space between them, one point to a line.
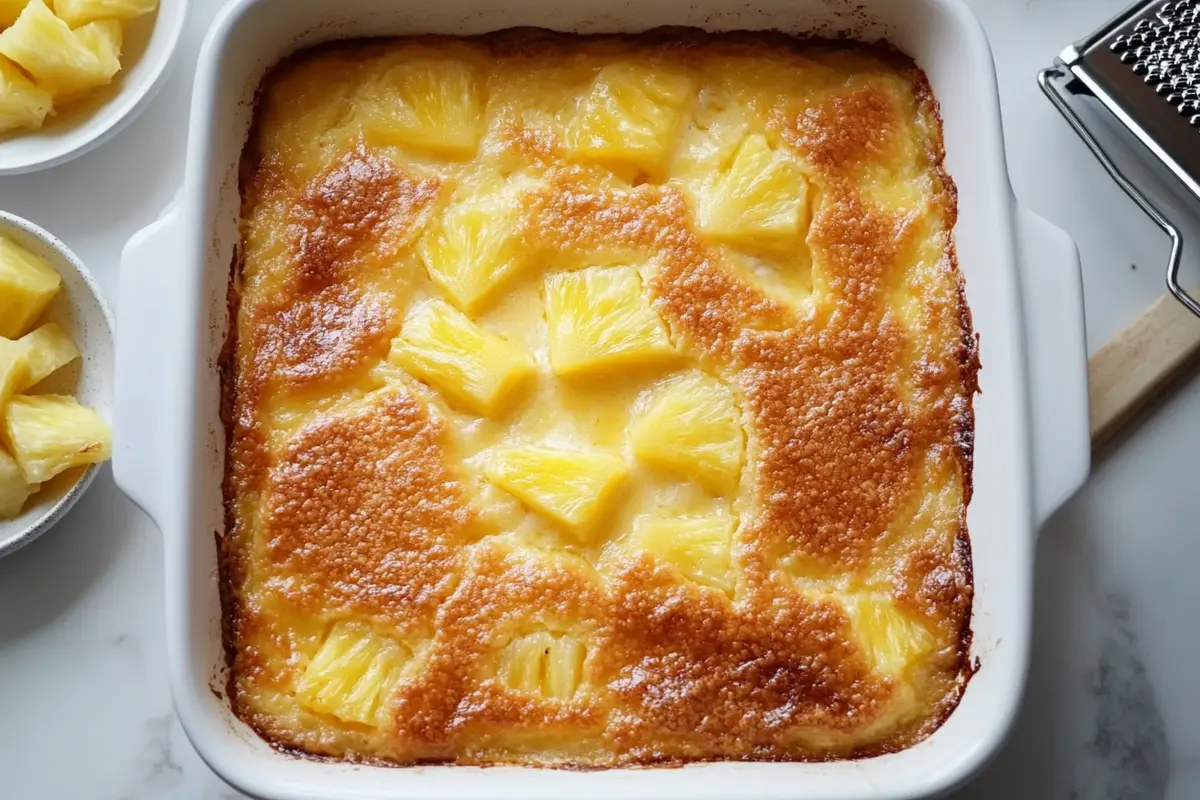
1144 68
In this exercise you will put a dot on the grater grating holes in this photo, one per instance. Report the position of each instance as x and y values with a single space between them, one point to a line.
1165 52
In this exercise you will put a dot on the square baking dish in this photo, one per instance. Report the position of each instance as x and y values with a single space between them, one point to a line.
1031 445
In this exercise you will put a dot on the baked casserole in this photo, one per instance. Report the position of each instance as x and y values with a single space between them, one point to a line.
597 401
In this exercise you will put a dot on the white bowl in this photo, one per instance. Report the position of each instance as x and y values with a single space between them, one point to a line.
150 42
81 309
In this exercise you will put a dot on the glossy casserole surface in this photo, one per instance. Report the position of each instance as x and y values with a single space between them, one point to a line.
597 401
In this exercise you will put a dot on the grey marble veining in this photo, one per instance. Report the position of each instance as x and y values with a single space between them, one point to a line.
160 768
1128 757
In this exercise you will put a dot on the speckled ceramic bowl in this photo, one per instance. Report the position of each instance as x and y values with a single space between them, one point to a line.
149 50
81 309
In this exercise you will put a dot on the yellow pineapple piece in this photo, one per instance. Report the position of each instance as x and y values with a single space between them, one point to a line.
564 668
498 511
570 487
80 12
599 318
47 350
14 369
693 428
630 116
27 285
761 198
543 663
60 61
14 490
22 103
428 104
473 249
522 661
698 546
104 38
716 126
51 433
441 346
890 638
353 674
10 10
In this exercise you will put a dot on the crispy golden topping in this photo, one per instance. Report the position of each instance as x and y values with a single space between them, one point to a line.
730 679
837 452
361 202
324 336
845 130
748 232
362 514
460 701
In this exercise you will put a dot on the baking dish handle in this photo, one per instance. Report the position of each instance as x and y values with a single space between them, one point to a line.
1056 344
144 316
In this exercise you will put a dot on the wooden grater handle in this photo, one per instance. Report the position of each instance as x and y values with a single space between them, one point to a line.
1139 363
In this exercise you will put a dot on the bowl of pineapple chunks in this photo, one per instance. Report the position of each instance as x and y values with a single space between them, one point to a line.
73 73
56 374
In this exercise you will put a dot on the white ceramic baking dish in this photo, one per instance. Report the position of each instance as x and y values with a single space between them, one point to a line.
1023 287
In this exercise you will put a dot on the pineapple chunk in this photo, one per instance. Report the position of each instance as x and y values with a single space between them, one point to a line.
14 490
441 346
499 511
14 369
353 674
698 546
599 318
104 39
81 12
630 116
426 104
890 638
60 61
473 249
522 662
564 668
47 350
693 428
27 285
22 103
10 10
761 198
545 664
51 433
571 487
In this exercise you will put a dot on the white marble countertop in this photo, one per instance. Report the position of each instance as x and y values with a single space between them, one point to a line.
1113 707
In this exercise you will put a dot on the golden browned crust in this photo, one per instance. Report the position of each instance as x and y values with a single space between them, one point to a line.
387 545
858 402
